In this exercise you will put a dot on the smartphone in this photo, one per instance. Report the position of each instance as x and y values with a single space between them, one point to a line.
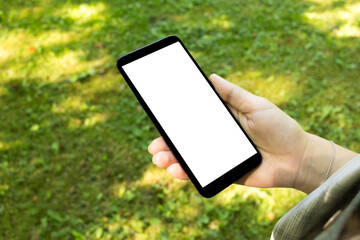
198 127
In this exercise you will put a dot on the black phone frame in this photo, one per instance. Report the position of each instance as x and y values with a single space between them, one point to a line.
226 179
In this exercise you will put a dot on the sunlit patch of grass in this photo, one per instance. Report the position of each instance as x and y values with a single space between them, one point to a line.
153 231
23 51
272 202
88 122
14 45
283 200
285 86
54 68
153 175
4 54
348 31
103 82
66 63
76 104
341 21
84 12
22 44
222 21
53 37
95 119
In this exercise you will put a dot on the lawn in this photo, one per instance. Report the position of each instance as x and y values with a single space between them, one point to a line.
73 139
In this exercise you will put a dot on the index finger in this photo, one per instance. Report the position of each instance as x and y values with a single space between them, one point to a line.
234 95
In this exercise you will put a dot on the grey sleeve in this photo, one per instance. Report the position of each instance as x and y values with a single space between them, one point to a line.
307 219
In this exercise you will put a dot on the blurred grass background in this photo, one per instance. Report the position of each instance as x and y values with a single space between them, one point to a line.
73 139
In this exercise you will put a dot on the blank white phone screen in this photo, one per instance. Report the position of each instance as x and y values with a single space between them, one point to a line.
196 121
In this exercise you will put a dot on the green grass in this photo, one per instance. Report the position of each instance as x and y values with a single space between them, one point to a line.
73 139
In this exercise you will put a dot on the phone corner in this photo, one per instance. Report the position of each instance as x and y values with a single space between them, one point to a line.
207 194
118 62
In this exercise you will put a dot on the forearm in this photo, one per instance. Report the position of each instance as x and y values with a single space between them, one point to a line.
316 161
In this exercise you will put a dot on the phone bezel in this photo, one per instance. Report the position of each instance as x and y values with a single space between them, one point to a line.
226 179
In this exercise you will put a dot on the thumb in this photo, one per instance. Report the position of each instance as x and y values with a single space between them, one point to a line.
234 95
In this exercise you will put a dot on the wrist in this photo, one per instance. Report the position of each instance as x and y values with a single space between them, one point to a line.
313 165
316 161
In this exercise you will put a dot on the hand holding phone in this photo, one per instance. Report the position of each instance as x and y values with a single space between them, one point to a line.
196 124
